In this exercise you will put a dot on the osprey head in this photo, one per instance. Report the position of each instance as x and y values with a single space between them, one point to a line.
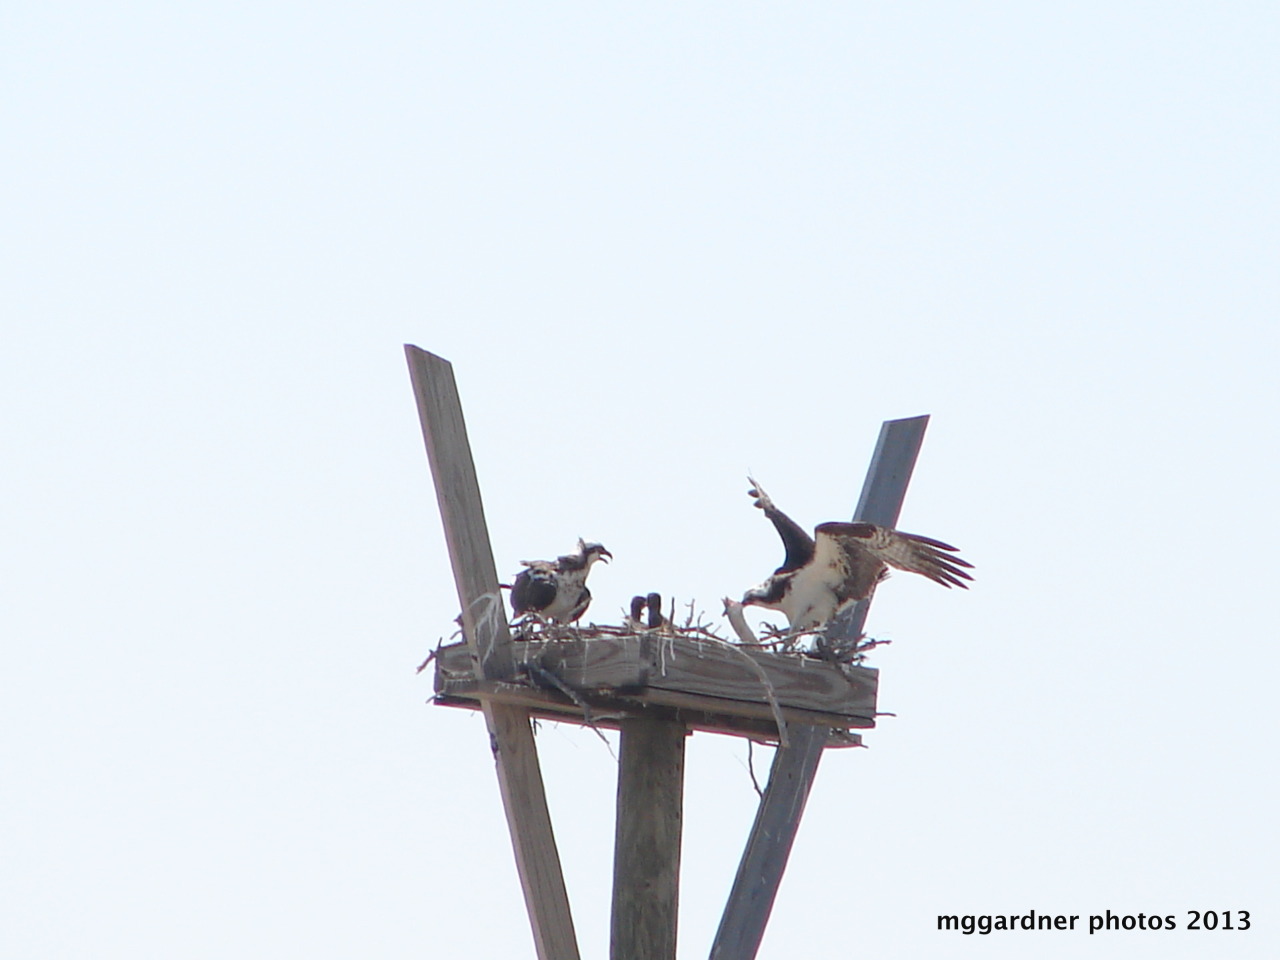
593 551
769 593
637 609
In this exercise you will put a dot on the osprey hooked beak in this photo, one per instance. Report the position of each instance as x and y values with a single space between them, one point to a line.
767 594
593 549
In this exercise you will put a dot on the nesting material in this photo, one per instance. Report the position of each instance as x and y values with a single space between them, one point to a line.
599 673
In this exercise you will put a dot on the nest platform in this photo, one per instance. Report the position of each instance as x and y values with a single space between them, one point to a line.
599 679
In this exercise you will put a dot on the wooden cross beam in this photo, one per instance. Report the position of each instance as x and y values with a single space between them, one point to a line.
485 628
794 766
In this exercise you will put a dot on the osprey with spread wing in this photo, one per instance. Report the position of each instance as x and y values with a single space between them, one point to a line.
822 576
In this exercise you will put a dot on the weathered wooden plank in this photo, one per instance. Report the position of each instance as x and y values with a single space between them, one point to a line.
724 715
646 858
647 664
749 675
885 488
794 767
461 510
485 627
755 711
608 714
574 663
607 662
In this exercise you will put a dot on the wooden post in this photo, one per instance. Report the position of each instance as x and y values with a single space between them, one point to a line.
465 532
485 627
794 767
646 858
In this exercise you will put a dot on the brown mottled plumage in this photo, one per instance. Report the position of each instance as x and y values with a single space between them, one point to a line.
822 576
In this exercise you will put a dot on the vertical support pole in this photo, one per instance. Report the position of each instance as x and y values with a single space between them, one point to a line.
794 767
646 857
485 627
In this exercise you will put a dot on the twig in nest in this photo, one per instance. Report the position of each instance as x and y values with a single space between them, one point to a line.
778 639
430 656
547 678
733 611
843 738
751 769
866 645
549 631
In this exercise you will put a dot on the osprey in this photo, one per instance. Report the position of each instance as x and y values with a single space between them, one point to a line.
820 577
653 603
635 621
557 589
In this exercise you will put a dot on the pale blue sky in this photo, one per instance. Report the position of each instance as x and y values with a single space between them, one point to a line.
663 246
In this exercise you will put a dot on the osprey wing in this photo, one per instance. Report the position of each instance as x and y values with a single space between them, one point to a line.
534 588
867 542
580 604
799 545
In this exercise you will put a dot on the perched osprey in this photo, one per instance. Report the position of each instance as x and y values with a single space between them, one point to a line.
636 619
653 603
818 578
557 590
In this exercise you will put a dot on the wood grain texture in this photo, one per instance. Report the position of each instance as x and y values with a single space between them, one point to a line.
461 510
700 675
485 627
549 705
646 859
764 861
537 859
741 674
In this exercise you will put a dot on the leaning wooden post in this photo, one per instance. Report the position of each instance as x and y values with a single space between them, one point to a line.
794 767
646 857
485 627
